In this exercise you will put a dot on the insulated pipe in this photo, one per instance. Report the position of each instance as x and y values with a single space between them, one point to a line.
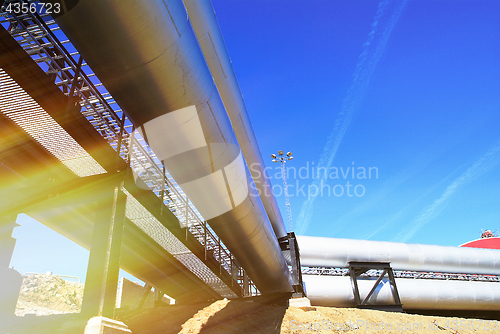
419 294
206 27
148 57
333 252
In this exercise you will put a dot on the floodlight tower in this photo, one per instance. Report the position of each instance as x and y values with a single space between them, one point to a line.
283 159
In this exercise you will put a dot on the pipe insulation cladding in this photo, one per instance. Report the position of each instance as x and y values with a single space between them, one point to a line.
207 30
147 55
337 253
418 294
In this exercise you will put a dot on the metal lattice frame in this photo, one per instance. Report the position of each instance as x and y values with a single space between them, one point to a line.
42 39
282 159
325 271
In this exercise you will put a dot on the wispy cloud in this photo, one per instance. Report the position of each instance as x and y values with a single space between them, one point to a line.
398 217
385 19
481 166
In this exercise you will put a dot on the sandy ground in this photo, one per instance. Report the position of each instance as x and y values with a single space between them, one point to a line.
251 317
247 317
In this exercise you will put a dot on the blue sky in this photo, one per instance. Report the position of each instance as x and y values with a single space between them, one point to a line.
409 88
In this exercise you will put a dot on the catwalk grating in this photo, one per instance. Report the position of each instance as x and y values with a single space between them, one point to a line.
143 219
24 111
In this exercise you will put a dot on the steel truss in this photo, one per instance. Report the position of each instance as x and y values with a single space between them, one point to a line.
327 271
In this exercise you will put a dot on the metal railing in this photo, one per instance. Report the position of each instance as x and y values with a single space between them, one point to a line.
43 40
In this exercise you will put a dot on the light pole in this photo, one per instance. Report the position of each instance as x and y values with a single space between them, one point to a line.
283 159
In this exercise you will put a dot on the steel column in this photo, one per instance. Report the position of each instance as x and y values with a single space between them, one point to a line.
246 285
142 298
104 262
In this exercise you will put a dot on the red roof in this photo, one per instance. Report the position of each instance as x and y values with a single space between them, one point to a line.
490 243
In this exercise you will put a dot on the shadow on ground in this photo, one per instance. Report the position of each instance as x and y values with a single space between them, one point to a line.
165 320
246 317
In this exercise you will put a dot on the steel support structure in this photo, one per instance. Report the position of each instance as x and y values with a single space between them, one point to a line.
142 297
358 268
104 262
290 250
283 159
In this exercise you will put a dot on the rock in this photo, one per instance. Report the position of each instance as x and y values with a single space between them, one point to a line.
45 295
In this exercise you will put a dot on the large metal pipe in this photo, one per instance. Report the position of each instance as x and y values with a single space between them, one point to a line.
206 27
422 294
334 252
148 57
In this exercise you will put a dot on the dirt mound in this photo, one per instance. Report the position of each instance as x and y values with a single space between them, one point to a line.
48 294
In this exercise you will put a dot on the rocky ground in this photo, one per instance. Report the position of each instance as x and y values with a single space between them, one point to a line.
48 294
44 298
